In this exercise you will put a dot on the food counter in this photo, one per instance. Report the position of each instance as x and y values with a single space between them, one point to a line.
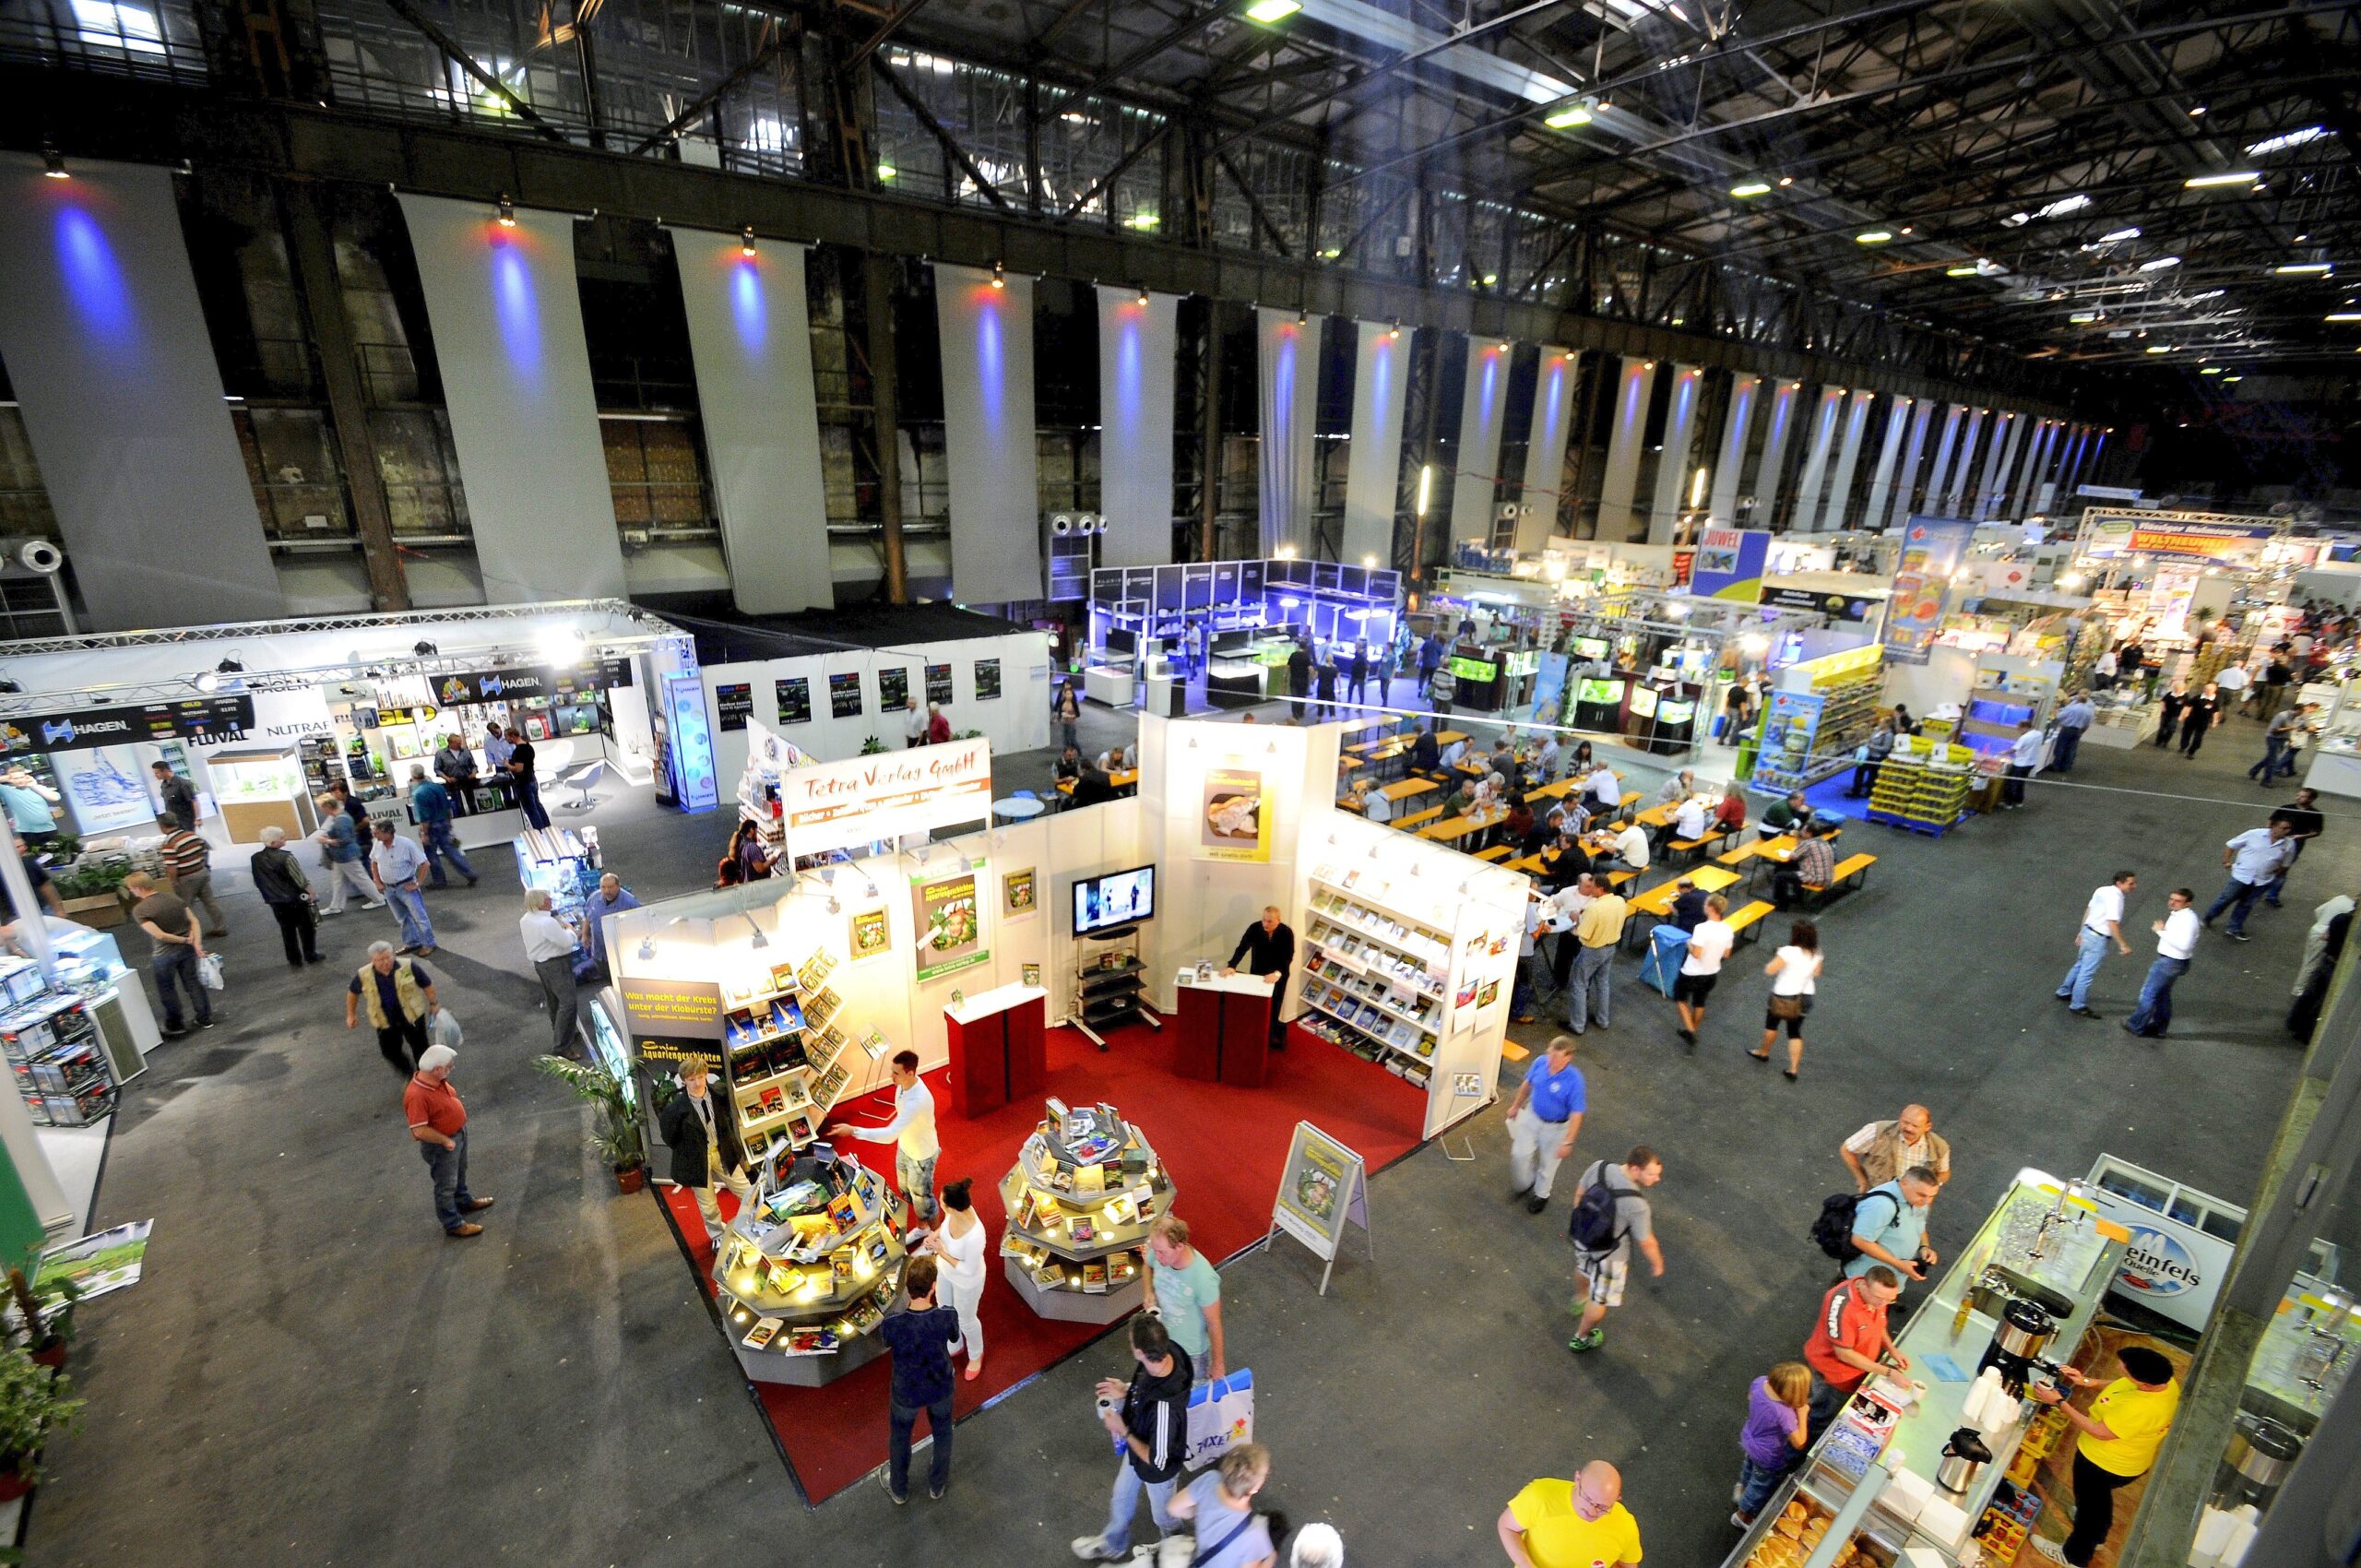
2043 1242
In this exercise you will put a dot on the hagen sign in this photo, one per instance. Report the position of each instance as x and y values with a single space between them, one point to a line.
832 805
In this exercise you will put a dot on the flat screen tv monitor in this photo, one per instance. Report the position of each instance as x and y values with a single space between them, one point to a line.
1590 648
1118 898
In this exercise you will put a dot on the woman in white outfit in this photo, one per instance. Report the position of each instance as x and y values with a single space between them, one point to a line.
959 1240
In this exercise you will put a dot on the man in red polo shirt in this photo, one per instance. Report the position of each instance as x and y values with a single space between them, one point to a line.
1849 1342
439 1122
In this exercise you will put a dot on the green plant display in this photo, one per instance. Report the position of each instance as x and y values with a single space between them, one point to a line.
617 1135
34 1403
872 747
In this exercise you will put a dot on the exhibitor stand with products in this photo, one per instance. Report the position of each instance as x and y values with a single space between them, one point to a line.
909 923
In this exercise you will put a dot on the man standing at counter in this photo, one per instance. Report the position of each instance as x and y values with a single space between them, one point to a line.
1268 948
1889 1226
2119 1442
1849 1342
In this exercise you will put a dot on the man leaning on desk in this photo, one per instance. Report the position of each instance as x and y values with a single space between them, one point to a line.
1268 948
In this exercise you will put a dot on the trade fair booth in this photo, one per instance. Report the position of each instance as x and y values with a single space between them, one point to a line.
261 718
1228 628
1059 981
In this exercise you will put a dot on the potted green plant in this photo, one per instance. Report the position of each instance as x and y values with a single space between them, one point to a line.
46 1326
617 1133
34 1403
872 747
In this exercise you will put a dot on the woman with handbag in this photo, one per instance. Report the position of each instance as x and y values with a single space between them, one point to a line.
1795 975
1221 1505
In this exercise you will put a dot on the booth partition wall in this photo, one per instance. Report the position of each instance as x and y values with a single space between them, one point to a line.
349 398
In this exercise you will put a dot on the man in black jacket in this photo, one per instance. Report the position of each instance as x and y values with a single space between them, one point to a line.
1268 948
1149 1417
701 1130
1299 674
1093 789
1426 751
278 877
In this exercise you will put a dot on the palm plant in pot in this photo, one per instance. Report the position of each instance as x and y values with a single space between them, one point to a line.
46 1325
34 1404
617 1133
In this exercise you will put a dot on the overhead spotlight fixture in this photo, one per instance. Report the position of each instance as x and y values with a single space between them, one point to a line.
2209 369
507 211
2160 264
1574 112
2197 112
1873 236
2160 347
2208 182
835 908
759 940
1967 271
52 163
1395 331
1786 180
2300 269
1303 315
1269 11
1143 296
2227 379
746 240
1750 188
424 650
2342 316
1370 561
999 276
208 682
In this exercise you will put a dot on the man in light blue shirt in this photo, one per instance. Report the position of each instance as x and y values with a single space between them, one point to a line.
1889 1226
2253 860
497 749
393 864
2072 719
1543 1120
613 898
430 807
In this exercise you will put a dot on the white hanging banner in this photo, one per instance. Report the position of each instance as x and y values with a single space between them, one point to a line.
988 434
1137 337
833 805
1289 360
1373 467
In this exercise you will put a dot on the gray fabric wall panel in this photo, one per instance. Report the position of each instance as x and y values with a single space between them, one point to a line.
1373 467
1475 480
1897 422
507 319
1746 391
1848 457
1771 464
750 330
1819 445
1674 472
1619 480
1288 366
1136 347
122 399
1545 449
988 434
1914 458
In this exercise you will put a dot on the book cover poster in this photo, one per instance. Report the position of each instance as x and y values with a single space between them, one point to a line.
1234 824
872 936
1319 1190
950 925
1018 895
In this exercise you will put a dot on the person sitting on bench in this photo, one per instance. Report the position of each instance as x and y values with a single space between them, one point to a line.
1813 867
1790 816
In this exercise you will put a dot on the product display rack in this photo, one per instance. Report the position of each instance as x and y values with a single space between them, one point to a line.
54 1049
787 1058
807 1272
1923 787
1819 740
1110 984
562 861
1375 981
1084 1190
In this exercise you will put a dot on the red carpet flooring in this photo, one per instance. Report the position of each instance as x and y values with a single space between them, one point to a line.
1223 1146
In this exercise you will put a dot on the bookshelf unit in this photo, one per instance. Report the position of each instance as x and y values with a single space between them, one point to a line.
1374 977
787 1056
59 1062
1084 1190
806 1272
1805 741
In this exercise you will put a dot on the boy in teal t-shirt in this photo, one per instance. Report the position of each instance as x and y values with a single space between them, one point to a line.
1186 1291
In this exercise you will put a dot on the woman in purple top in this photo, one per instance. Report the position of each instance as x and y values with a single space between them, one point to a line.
1772 1437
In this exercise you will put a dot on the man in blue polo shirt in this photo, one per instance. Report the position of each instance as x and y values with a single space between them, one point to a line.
1543 1120
1889 1226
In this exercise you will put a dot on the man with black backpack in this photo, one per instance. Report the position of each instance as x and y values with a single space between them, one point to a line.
1889 1226
1610 1217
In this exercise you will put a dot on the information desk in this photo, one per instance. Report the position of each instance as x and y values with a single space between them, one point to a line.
2078 1254
1224 1029
997 1052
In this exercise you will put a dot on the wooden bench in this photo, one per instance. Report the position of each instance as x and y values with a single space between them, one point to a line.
1529 864
1497 853
1616 879
1854 871
1419 819
1746 923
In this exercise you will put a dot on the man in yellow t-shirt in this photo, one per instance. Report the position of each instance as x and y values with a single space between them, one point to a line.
2119 1442
1576 1524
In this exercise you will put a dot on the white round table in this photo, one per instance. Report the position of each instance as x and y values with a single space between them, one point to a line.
1017 808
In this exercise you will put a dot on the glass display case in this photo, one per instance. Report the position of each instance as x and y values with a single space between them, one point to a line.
259 787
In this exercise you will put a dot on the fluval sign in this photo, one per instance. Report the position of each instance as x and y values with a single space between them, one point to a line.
192 718
833 805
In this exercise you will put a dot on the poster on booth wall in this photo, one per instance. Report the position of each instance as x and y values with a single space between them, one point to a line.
1018 898
1730 564
1932 550
986 679
893 689
793 696
938 683
843 696
872 937
734 705
1234 824
105 789
950 925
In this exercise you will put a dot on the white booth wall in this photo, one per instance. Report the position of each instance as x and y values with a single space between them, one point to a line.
1016 720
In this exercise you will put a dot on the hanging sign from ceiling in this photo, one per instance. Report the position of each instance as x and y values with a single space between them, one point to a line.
833 805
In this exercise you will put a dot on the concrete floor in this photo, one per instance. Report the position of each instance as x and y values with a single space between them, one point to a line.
309 1374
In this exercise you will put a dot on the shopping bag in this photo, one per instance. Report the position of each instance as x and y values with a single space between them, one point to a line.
209 970
1221 1414
1667 945
444 1029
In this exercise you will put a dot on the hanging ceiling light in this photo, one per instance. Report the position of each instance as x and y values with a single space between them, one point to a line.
52 163
746 240
1000 275
507 211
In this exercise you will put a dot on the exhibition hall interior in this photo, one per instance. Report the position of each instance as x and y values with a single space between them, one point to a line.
1008 781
